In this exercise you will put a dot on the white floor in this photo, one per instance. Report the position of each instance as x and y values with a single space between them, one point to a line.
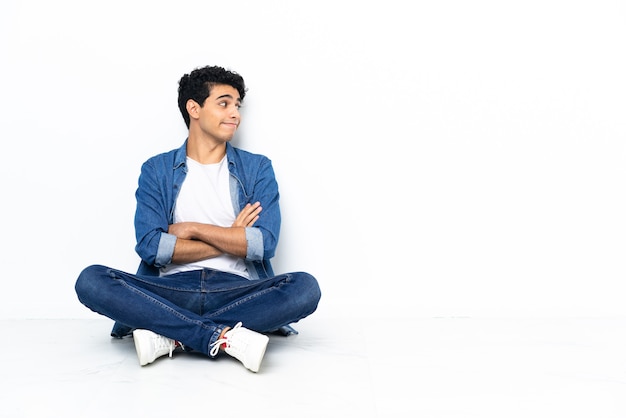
448 367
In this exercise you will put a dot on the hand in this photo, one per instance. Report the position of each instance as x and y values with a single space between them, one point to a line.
248 215
182 230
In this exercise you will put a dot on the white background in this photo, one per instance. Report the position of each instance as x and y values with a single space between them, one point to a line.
445 158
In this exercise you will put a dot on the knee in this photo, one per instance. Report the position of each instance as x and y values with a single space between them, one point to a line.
88 281
309 290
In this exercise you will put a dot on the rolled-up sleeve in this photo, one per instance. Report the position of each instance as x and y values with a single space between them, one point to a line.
255 244
165 250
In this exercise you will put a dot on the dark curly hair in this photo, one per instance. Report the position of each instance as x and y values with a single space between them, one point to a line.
197 86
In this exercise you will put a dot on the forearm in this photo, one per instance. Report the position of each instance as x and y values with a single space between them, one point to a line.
189 251
229 240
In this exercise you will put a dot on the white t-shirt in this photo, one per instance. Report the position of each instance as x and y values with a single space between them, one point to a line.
205 197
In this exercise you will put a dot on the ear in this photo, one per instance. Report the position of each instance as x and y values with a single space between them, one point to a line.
193 108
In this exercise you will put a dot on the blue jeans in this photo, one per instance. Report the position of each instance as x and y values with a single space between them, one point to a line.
194 307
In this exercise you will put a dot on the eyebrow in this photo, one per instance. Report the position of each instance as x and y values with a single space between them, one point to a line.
227 96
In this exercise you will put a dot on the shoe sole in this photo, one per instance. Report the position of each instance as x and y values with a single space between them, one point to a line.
142 338
259 355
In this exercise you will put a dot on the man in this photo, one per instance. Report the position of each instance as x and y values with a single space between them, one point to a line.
207 224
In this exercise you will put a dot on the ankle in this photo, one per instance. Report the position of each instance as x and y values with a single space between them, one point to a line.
223 337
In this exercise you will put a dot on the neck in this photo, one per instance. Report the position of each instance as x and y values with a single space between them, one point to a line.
204 151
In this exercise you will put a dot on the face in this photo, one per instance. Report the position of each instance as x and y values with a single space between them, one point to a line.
219 118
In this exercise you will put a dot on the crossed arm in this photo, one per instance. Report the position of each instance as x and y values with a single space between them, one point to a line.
197 241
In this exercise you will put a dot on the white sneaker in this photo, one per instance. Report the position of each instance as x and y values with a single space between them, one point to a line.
245 345
151 346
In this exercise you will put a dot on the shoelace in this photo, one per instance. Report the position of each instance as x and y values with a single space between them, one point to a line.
215 347
164 342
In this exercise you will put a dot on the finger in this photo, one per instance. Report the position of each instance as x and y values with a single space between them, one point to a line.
251 211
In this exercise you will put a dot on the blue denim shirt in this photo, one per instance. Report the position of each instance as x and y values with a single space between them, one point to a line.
252 179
